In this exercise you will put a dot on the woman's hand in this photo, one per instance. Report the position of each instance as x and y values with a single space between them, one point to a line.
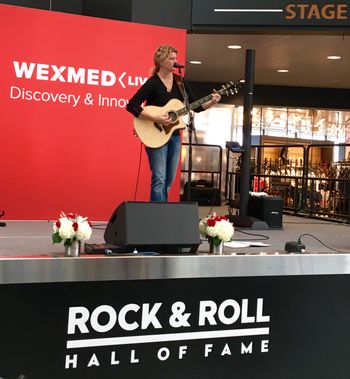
216 97
162 119
214 100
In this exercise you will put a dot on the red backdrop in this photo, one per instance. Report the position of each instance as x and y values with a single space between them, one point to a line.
62 148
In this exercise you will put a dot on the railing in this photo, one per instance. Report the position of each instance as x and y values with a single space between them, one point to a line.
315 187
327 190
206 165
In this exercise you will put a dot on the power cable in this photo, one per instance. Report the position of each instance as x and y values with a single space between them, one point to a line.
322 243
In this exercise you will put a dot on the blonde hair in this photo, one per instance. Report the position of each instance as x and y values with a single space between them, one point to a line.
160 55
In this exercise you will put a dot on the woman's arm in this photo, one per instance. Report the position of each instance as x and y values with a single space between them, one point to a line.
135 105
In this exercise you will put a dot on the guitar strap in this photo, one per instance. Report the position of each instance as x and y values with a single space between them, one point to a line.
180 85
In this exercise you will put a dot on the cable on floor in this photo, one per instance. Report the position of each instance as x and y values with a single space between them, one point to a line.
322 243
264 237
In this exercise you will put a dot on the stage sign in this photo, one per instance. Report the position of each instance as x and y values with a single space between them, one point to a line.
270 13
67 142
250 327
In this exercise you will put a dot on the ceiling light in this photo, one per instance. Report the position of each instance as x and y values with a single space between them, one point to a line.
195 62
283 70
235 47
334 57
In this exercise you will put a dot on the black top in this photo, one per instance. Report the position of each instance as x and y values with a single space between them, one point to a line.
154 92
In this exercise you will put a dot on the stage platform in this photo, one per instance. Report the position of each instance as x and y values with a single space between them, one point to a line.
264 305
32 238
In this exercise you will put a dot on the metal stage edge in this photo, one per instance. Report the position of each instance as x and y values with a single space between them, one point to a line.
91 268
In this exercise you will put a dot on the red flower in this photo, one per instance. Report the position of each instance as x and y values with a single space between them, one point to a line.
58 224
220 218
211 222
75 226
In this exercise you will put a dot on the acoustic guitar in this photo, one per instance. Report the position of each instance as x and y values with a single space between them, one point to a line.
155 135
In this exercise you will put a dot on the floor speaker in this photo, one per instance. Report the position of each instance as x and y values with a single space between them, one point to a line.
155 226
268 209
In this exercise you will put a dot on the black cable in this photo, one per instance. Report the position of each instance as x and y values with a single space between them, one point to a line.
264 238
322 243
103 226
317 223
99 226
211 209
2 224
250 234
138 172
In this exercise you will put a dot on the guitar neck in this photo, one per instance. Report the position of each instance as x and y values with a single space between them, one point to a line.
194 105
228 89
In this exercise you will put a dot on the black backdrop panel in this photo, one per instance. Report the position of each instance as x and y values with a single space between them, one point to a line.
293 327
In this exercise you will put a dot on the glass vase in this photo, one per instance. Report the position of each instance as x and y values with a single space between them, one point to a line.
216 249
73 250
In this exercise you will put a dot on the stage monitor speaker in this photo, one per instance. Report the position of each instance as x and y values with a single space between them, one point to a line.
267 208
155 226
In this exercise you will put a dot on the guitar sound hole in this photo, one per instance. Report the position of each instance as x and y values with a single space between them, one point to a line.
173 116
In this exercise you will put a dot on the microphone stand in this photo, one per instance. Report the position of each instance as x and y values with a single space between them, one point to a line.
191 129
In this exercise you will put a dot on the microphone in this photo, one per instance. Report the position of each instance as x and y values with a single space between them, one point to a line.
177 65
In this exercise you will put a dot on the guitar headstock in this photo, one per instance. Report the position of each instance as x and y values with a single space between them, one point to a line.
229 92
230 88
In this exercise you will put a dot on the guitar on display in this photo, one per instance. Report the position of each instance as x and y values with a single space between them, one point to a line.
155 135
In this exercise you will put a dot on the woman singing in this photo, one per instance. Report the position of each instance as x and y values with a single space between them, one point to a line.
161 87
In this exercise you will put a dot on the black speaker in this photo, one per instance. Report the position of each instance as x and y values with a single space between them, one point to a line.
267 208
159 227
202 192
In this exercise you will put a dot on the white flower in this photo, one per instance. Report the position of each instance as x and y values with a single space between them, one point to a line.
218 227
225 230
202 228
66 229
84 231
71 227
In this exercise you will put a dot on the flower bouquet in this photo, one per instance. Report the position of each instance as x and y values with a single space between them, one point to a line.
71 228
216 228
